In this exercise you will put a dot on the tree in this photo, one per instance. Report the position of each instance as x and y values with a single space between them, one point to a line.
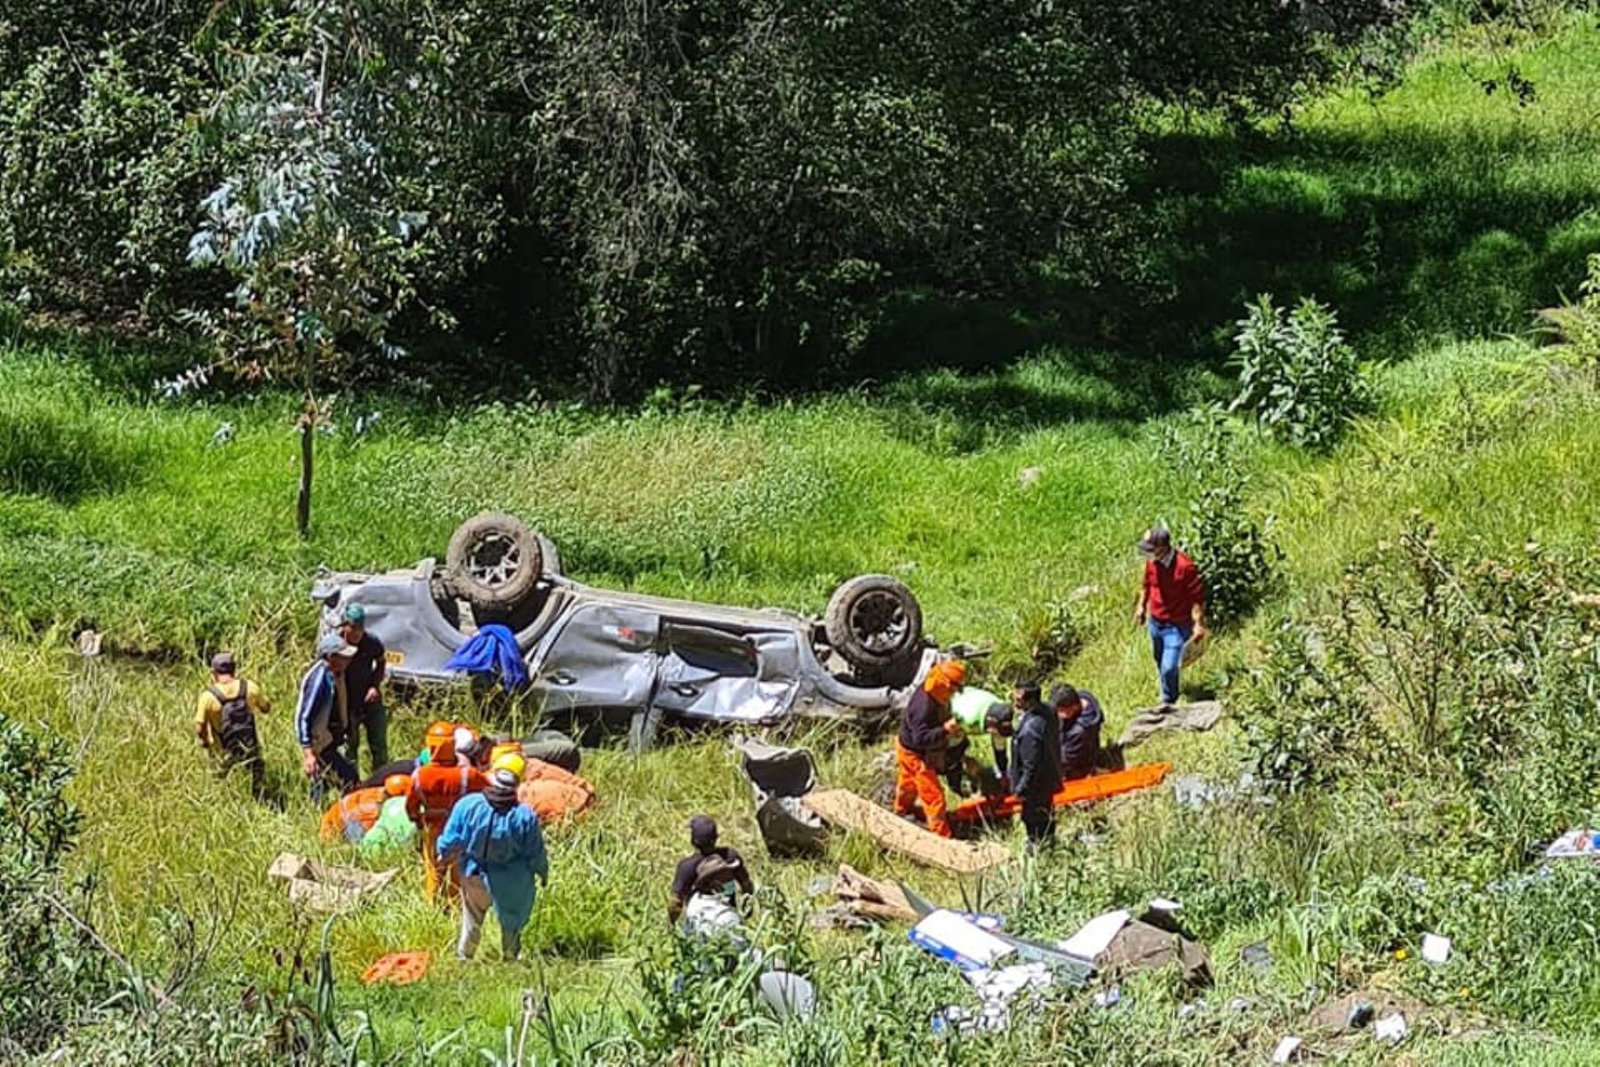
326 217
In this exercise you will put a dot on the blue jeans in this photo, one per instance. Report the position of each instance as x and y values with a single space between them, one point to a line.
334 766
1166 644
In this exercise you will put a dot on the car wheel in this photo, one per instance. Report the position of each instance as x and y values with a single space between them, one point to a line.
494 561
874 622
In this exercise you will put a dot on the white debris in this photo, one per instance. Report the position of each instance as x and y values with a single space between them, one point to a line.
1287 1049
1435 949
1391 1028
1096 935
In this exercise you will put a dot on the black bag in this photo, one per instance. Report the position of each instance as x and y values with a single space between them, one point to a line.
238 723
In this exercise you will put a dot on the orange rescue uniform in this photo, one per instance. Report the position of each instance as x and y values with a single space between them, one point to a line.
435 788
353 814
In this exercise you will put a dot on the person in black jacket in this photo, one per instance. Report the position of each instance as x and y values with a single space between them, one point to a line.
1036 763
1081 719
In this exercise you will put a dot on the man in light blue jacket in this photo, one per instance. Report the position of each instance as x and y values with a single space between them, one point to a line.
500 848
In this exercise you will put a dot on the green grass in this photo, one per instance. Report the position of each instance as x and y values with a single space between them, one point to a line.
1431 219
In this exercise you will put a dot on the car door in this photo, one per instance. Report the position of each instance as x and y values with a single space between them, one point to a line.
725 676
600 657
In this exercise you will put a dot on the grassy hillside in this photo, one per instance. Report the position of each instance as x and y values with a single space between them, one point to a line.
1432 217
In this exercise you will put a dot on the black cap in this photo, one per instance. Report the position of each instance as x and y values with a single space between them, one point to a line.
1157 539
998 717
1028 688
1065 694
223 663
703 832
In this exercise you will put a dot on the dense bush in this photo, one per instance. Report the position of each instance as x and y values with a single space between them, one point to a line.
1229 540
1297 376
48 966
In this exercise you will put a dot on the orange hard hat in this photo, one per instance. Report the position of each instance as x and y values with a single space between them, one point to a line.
438 733
944 678
396 785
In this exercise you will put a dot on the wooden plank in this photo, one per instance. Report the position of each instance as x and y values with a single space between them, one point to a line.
845 809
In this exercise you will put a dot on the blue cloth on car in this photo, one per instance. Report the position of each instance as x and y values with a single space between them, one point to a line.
492 650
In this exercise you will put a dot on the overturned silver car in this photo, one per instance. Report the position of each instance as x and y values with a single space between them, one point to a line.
596 653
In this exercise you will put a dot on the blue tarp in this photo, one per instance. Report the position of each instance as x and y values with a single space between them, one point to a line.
493 651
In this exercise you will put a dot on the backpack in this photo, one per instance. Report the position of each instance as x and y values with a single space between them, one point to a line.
238 722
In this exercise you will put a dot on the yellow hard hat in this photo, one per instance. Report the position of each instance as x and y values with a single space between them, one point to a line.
512 762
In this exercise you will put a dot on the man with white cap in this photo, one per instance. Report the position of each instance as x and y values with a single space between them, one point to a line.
320 718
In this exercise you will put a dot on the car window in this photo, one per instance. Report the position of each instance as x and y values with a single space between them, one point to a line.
729 655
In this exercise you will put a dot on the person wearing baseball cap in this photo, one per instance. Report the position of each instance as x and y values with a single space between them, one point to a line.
362 679
713 870
321 715
225 721
1171 605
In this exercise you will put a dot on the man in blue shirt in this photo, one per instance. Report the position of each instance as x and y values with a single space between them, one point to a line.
497 842
320 717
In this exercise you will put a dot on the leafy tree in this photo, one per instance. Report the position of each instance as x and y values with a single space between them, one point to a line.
326 217
1297 376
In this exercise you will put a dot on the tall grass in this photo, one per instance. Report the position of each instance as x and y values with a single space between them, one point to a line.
1418 214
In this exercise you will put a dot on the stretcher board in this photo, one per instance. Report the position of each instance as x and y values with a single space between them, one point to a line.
1078 791
842 808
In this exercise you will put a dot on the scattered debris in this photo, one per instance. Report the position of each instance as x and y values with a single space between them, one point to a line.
871 899
1196 717
323 887
1350 1014
1028 477
1240 1005
1096 935
1257 956
1287 1049
1574 844
779 778
956 939
1435 949
788 994
819 885
222 436
1138 946
996 989
397 968
1391 1028
90 643
1109 997
842 808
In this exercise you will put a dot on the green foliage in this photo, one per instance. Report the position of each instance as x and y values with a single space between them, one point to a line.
48 967
1297 377
1229 541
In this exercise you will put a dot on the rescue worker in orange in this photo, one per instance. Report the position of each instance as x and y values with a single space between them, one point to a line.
448 776
923 744
353 814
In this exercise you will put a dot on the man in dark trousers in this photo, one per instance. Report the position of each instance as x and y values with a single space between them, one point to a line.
711 871
1080 717
1171 605
1036 763
362 677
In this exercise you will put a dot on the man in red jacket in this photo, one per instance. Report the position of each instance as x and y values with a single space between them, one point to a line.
1171 604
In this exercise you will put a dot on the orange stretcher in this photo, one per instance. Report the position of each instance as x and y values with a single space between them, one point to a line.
1078 791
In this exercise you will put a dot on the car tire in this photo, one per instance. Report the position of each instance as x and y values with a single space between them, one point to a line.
494 561
874 622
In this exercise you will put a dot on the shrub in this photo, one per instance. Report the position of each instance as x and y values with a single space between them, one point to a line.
1297 377
47 965
1230 543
